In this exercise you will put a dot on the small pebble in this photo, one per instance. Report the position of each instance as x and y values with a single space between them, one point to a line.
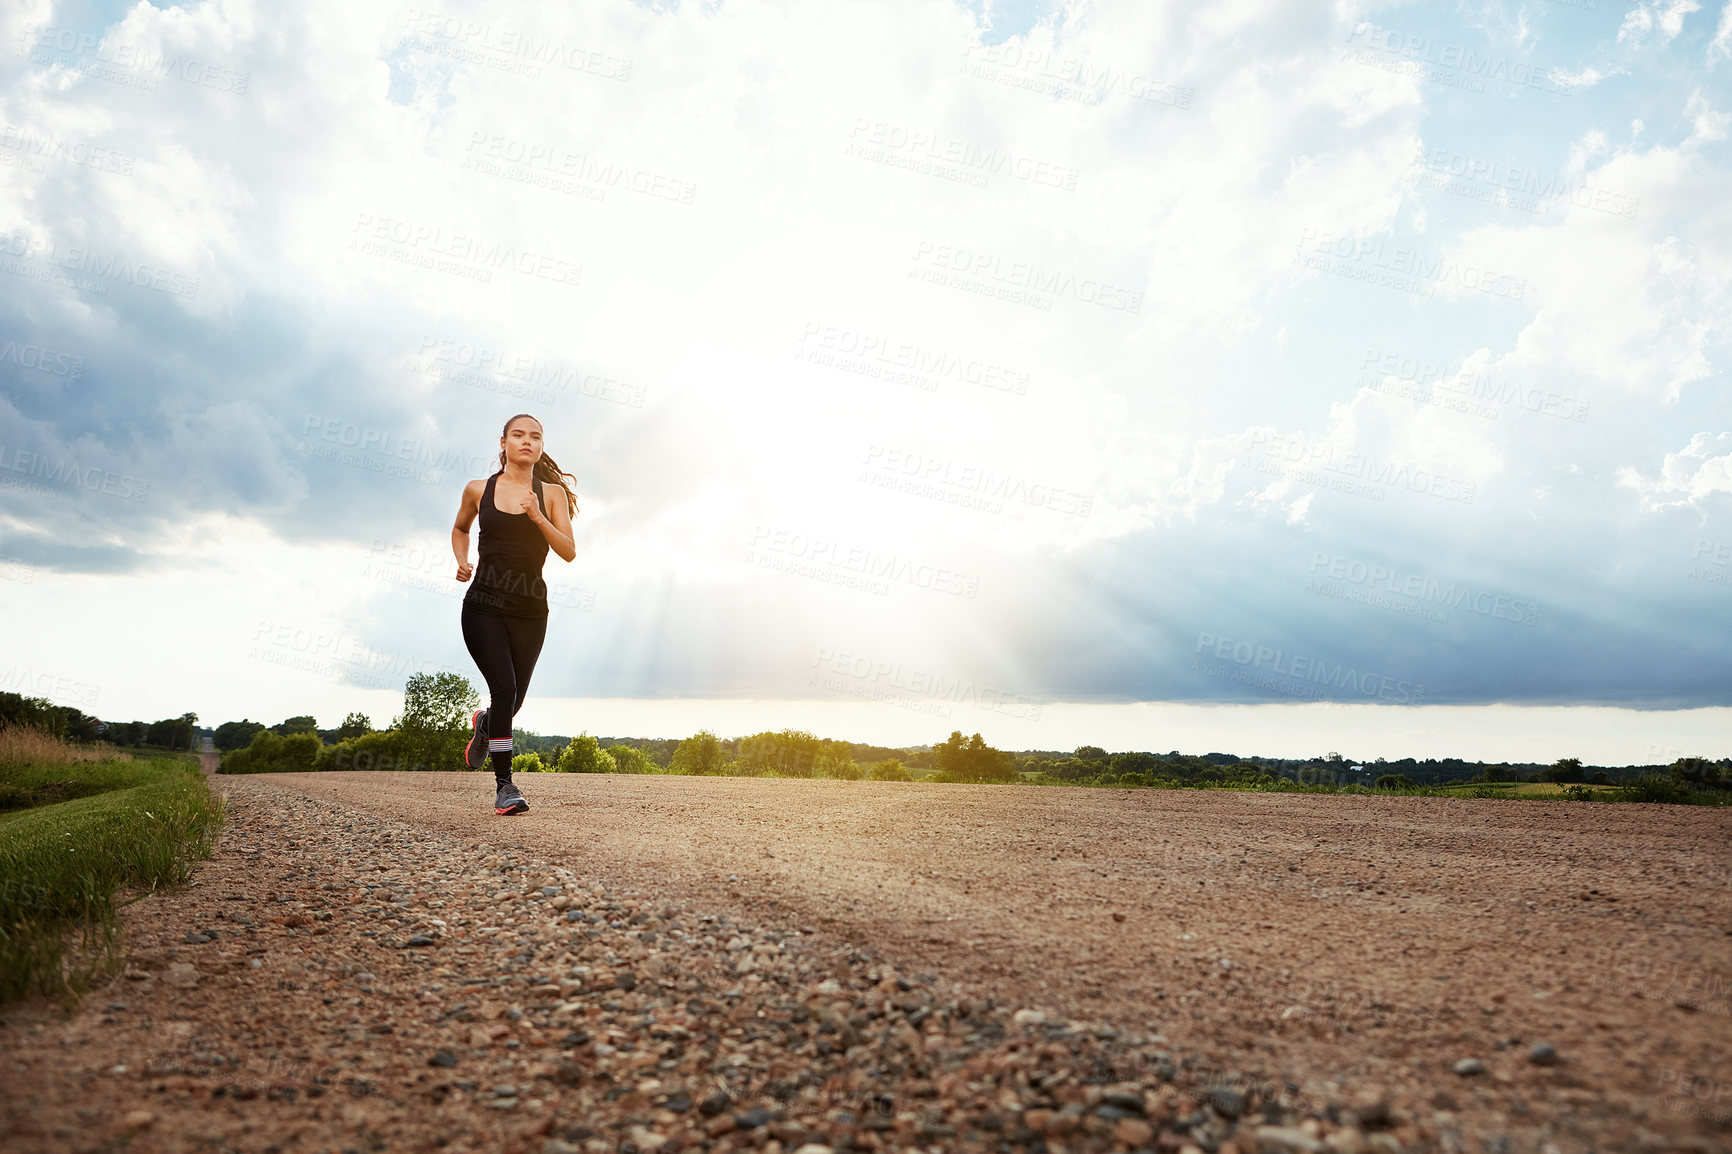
1468 1067
1543 1054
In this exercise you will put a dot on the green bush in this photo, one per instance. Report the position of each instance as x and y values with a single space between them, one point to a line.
528 763
389 750
270 753
1660 789
585 755
702 754
630 759
890 769
1394 781
838 766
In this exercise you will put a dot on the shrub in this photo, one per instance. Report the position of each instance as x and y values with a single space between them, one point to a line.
527 763
630 759
839 766
702 753
788 753
1393 781
1660 789
974 760
270 753
391 750
585 755
890 769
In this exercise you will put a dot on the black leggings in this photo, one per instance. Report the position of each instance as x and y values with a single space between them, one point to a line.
504 649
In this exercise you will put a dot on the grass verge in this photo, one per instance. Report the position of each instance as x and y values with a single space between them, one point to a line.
62 862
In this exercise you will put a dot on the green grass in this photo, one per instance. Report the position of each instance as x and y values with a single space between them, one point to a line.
32 784
62 862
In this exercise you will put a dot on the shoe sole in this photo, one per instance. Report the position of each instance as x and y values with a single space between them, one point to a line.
515 807
469 752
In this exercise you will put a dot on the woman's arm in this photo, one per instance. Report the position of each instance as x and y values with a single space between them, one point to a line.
555 524
467 510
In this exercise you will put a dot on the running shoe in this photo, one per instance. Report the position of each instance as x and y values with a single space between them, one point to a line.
509 801
476 752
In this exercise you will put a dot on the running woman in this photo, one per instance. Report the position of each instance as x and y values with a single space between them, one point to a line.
505 611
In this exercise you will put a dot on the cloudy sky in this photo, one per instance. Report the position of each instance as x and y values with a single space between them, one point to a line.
1252 377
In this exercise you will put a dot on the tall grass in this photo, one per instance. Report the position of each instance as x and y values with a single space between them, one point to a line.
142 825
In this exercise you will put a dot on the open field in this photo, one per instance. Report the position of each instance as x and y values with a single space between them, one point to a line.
1327 956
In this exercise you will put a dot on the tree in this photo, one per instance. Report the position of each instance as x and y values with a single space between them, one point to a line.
973 760
236 734
1087 753
790 753
437 703
354 725
1394 781
890 769
172 732
1696 772
585 755
836 762
1565 769
301 724
629 759
701 753
434 723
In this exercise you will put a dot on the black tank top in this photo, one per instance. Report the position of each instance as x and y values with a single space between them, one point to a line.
508 562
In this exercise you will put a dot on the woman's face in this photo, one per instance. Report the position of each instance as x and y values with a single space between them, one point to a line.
522 441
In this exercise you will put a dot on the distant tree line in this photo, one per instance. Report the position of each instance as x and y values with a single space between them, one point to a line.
71 724
433 728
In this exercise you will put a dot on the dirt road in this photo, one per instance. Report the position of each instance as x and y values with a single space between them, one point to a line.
1523 973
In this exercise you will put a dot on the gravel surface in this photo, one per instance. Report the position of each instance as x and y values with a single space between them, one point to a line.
375 962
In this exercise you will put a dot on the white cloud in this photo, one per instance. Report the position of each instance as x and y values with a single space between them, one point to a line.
1662 19
1720 47
1689 477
